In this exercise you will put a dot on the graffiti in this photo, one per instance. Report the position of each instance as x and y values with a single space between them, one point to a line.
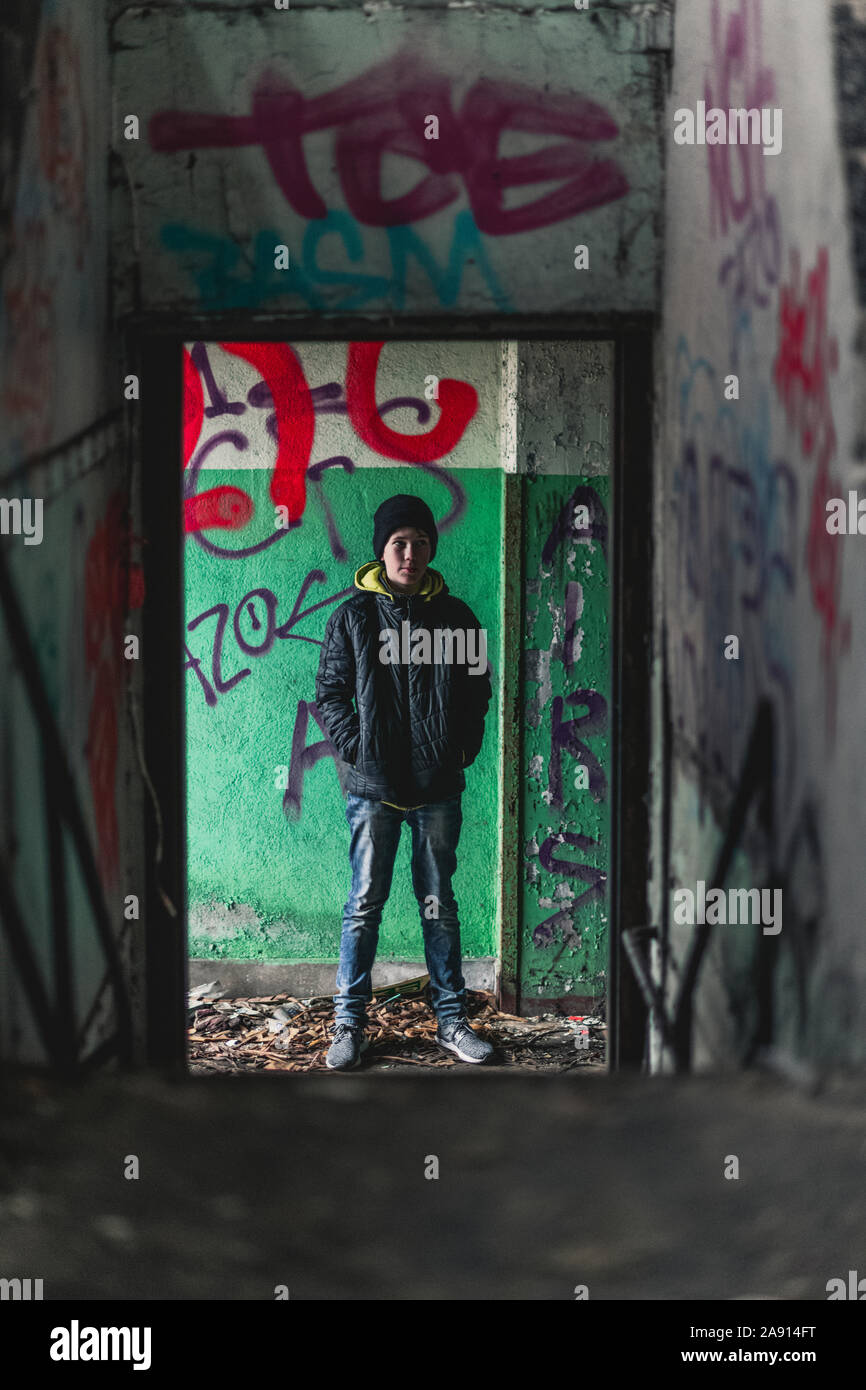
563 735
228 507
735 519
229 276
63 130
294 425
113 587
458 402
283 391
567 527
383 111
568 736
247 615
193 398
739 510
799 869
563 921
736 78
304 756
736 502
807 357
751 271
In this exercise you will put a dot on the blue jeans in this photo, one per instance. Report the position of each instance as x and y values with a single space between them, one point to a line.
375 836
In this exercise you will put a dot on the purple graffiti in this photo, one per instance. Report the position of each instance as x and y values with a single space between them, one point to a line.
304 756
735 508
752 270
247 605
542 935
563 735
328 399
565 528
736 77
569 735
384 111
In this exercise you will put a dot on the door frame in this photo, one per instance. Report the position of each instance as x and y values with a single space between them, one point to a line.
153 346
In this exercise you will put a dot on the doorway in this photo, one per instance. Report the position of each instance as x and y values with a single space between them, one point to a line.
549 511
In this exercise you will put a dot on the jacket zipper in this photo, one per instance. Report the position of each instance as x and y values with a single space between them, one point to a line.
404 680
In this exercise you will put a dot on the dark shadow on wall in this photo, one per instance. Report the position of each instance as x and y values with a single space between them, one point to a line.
779 961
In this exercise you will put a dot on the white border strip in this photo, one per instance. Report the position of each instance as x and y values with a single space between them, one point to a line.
508 407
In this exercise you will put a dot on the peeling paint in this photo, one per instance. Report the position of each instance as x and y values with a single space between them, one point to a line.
565 893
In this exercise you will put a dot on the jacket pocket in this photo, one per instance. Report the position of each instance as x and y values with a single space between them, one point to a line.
353 752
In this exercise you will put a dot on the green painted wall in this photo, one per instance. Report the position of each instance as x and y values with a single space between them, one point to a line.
564 434
563 948
268 884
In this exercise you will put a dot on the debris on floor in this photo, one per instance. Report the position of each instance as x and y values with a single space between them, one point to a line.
280 1033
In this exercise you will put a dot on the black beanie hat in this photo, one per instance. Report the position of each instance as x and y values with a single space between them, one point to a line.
402 510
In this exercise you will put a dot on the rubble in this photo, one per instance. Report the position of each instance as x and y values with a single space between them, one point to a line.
281 1033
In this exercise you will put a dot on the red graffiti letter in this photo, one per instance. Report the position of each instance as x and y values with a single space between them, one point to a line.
279 367
458 402
193 407
489 109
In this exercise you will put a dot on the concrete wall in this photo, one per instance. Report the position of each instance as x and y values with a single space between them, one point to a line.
62 441
309 128
759 283
564 409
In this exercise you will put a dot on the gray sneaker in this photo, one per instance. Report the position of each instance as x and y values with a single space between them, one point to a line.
345 1051
455 1035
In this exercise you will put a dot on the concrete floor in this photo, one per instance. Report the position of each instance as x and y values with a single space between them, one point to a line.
544 1183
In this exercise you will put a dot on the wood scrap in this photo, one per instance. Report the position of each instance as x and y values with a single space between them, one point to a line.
280 1033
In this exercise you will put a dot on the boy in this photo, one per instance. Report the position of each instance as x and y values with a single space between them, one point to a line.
412 657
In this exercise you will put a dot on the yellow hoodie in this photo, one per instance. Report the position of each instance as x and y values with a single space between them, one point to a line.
370 578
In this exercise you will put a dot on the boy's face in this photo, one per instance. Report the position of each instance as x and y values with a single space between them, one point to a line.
405 558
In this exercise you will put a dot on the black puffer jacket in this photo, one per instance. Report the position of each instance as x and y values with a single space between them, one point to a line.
412 728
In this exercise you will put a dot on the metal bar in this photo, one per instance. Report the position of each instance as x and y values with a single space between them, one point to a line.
278 328
652 995
159 364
